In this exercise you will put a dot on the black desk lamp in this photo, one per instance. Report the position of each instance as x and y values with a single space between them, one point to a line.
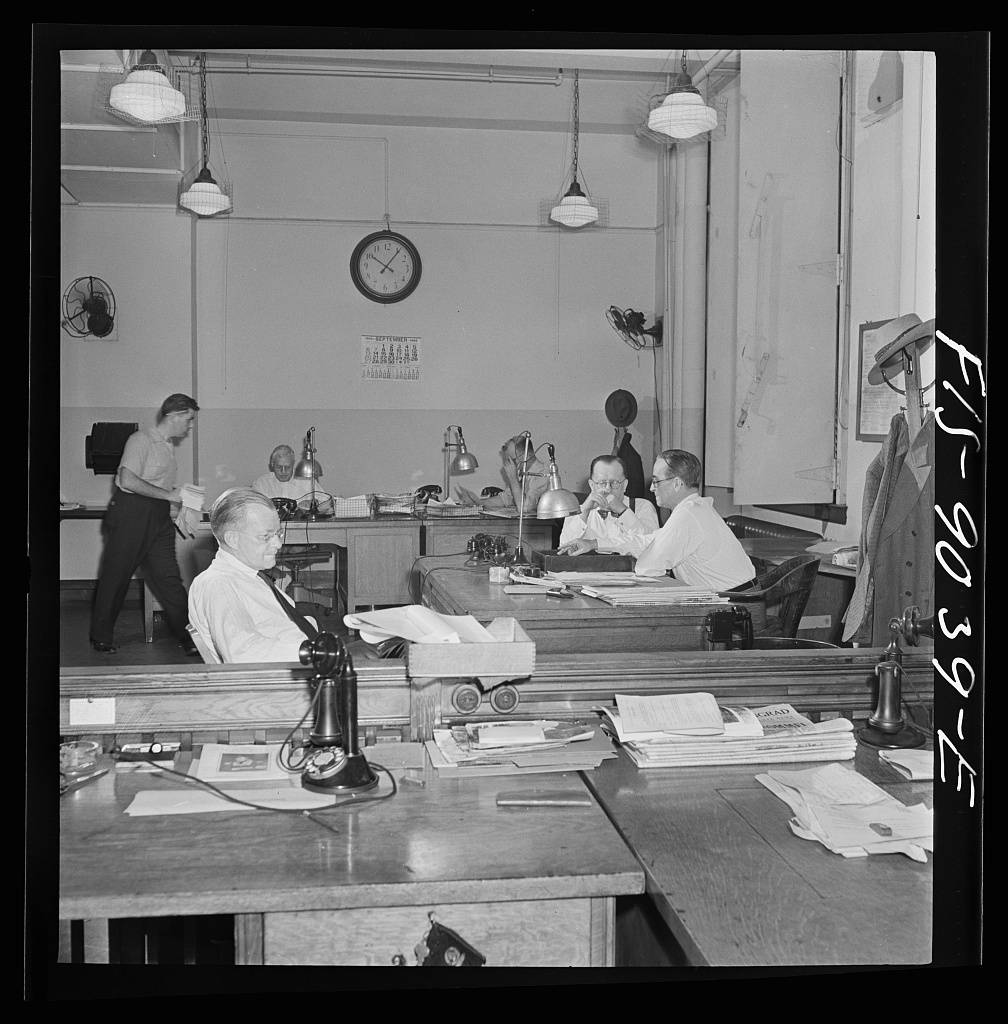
335 763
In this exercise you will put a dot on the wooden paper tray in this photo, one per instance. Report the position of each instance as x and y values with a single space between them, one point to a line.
512 657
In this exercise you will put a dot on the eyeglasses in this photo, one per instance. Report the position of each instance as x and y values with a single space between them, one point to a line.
265 538
607 484
656 480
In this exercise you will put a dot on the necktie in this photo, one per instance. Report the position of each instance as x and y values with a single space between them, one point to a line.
291 612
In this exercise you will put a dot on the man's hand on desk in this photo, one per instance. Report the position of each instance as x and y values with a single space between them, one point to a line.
578 547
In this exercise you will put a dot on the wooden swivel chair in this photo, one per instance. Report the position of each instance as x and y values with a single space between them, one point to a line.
294 558
781 593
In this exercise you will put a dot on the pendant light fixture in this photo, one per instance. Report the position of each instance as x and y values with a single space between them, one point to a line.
574 209
682 113
147 95
202 194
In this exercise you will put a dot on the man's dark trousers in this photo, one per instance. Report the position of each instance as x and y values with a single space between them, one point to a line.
139 533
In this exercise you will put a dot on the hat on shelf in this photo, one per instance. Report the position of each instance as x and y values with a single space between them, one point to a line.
621 408
902 332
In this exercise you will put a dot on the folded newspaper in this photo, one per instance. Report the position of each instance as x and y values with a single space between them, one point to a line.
692 729
850 815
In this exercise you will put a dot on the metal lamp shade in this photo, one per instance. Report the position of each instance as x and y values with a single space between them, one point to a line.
464 462
557 504
308 469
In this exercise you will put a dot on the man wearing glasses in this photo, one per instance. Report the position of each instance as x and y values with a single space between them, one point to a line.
231 605
607 516
695 543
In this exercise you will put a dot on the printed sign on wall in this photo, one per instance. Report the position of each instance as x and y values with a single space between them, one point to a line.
390 357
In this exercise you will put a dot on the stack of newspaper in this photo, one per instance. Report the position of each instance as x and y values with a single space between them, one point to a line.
850 815
692 729
518 748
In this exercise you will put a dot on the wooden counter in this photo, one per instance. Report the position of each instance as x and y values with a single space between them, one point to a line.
736 887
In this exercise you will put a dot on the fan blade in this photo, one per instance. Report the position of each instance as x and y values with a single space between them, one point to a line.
615 317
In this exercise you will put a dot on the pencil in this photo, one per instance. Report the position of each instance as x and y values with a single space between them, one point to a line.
178 531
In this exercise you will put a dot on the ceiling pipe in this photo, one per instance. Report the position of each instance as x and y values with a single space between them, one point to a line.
488 76
712 64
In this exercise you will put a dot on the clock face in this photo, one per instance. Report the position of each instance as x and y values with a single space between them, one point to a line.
385 266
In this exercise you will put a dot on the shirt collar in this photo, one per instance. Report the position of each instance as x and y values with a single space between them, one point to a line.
228 561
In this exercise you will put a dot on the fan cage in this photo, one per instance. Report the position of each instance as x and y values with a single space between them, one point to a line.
75 316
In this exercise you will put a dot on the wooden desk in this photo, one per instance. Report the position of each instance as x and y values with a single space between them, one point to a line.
448 535
737 888
578 624
525 887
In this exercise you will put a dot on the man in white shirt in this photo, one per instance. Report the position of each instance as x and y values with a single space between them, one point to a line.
279 482
607 516
695 542
230 605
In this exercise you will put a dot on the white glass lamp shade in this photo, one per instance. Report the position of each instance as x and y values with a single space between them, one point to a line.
574 210
204 197
147 95
682 114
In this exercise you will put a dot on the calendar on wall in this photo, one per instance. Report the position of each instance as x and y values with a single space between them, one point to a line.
390 357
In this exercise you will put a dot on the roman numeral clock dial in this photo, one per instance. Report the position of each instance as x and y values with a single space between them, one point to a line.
385 267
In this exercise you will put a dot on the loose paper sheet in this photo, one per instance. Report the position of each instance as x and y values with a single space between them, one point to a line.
695 713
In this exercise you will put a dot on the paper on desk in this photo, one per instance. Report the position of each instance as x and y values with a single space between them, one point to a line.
911 764
843 810
196 801
239 762
417 624
697 714
397 755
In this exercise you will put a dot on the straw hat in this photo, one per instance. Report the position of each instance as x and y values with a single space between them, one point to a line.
902 332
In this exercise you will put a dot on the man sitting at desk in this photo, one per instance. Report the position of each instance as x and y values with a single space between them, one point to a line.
232 606
695 542
607 515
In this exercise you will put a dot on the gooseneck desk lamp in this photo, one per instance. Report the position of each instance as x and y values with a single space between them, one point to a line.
554 503
309 468
463 462
334 763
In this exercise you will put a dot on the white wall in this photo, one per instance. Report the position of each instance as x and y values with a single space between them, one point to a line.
511 315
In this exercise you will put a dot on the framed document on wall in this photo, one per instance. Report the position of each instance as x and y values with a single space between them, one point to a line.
877 403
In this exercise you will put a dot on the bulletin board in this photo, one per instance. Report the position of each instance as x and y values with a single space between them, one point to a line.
877 403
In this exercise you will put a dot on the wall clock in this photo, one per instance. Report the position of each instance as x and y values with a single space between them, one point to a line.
385 267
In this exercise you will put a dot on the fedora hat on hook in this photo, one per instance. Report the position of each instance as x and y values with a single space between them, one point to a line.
902 332
621 408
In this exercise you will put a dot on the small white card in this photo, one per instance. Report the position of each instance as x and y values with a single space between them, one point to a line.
92 711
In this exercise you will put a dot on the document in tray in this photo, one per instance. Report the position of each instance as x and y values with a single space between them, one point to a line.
692 714
417 624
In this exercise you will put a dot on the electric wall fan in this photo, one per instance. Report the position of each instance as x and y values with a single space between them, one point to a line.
629 325
88 308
